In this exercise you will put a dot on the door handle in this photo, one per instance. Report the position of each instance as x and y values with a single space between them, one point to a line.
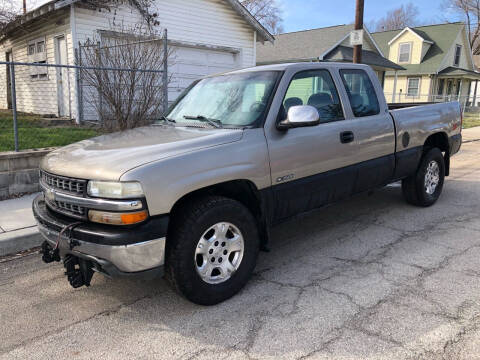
346 137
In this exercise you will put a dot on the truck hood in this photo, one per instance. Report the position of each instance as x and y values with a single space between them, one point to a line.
107 157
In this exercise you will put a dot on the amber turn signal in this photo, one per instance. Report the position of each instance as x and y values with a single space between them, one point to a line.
104 217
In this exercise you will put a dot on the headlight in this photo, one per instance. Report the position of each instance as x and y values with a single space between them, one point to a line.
114 190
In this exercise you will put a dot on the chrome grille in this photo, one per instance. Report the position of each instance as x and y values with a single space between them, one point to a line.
68 209
74 209
64 184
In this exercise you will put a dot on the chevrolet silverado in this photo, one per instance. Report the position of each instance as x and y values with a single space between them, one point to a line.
194 195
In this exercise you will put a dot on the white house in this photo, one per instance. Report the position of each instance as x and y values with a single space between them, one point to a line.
208 36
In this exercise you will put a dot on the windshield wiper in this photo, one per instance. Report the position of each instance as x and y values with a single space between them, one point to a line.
164 118
214 122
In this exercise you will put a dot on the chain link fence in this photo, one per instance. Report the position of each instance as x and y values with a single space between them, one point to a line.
112 86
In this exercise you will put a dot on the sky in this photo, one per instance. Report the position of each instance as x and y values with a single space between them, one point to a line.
309 14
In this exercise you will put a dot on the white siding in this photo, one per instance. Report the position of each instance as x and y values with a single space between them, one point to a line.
208 22
35 96
205 23
196 22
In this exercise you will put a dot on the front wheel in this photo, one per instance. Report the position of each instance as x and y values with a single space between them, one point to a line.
425 186
212 249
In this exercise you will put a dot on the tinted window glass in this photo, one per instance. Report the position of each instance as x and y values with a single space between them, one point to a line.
315 88
361 93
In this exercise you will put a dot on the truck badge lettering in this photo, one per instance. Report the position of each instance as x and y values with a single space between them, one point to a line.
285 178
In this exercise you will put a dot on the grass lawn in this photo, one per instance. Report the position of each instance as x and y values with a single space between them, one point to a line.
471 120
33 133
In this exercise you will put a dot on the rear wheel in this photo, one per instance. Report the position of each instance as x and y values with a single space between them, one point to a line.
213 249
425 186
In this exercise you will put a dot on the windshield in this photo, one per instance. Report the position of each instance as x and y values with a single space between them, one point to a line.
229 100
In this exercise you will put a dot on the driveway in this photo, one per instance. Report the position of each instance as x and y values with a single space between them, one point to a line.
371 277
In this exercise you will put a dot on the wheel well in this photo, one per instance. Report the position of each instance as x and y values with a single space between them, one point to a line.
440 140
243 191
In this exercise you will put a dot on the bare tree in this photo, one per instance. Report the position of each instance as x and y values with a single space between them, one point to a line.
470 11
8 12
399 18
266 12
126 99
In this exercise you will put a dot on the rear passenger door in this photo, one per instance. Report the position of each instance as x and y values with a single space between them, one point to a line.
372 128
311 166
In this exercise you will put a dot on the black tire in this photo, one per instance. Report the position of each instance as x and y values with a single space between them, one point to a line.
413 187
188 226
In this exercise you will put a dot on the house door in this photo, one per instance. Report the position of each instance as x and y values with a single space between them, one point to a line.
63 88
8 57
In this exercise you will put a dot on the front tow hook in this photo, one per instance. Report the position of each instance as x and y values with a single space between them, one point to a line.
79 271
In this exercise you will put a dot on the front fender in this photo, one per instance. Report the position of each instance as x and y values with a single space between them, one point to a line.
165 182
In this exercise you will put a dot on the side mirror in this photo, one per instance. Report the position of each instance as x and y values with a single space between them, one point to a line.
300 116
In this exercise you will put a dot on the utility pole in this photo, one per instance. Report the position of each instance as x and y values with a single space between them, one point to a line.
357 49
24 7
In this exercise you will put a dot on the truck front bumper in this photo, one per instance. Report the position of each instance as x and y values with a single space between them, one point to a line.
113 251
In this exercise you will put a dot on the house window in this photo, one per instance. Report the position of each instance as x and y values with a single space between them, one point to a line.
441 85
40 46
37 54
449 87
458 54
413 87
404 52
31 49
459 87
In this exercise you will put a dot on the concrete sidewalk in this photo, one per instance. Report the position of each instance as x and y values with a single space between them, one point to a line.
472 134
18 230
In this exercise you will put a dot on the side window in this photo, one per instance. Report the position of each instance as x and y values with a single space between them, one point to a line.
315 88
361 93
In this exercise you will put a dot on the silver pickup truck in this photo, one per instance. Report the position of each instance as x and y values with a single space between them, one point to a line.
194 195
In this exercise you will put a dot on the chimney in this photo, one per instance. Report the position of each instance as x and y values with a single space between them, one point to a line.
24 6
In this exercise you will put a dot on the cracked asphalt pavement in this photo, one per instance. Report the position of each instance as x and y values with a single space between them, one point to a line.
368 278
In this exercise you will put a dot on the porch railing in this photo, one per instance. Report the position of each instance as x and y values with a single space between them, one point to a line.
465 100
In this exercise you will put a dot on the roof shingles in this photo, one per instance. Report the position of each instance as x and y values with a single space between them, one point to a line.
302 45
442 36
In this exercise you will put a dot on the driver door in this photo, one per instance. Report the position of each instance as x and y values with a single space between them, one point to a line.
310 165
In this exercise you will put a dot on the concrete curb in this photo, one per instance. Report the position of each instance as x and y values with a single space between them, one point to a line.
15 241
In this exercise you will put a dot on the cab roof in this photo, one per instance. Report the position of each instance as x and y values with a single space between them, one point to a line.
299 66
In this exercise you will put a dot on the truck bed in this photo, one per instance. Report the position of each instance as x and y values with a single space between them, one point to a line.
415 122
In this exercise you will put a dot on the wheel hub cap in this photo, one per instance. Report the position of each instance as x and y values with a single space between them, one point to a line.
219 253
432 177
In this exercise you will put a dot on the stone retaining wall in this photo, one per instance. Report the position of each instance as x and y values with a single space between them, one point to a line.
19 172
